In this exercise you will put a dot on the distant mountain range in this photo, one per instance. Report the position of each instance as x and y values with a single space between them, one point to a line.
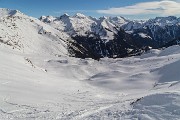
84 36
115 36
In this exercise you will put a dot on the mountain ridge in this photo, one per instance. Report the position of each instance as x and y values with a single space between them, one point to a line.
160 29
40 78
84 36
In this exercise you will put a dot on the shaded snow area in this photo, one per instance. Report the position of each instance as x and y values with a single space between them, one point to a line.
39 86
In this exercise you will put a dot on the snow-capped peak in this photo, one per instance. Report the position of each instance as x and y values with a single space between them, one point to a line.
8 12
47 19
65 15
118 20
28 34
103 18
107 27
79 15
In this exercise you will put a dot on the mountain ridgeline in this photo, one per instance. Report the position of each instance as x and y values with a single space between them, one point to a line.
84 36
114 36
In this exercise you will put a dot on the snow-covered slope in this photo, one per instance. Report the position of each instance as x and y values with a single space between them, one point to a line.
58 87
38 80
7 12
28 34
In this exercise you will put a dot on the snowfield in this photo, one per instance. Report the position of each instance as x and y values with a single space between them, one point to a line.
52 87
38 81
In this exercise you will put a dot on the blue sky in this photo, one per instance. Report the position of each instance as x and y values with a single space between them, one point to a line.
134 9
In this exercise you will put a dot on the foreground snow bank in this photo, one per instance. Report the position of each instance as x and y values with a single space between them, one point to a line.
153 107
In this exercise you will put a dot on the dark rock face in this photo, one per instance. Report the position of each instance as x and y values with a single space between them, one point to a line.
160 30
173 42
96 48
159 35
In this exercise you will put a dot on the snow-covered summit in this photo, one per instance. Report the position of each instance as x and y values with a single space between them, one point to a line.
30 35
77 24
64 16
8 12
80 24
47 19
79 15
118 20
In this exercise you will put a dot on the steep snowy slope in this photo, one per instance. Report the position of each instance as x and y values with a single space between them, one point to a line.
28 34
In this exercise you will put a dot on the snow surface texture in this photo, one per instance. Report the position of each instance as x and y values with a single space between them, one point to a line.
38 80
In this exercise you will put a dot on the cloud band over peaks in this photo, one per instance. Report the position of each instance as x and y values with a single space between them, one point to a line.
160 8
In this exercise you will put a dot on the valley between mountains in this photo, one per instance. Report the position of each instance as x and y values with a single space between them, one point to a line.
84 68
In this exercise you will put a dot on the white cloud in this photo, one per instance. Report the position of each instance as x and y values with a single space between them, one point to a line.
161 8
